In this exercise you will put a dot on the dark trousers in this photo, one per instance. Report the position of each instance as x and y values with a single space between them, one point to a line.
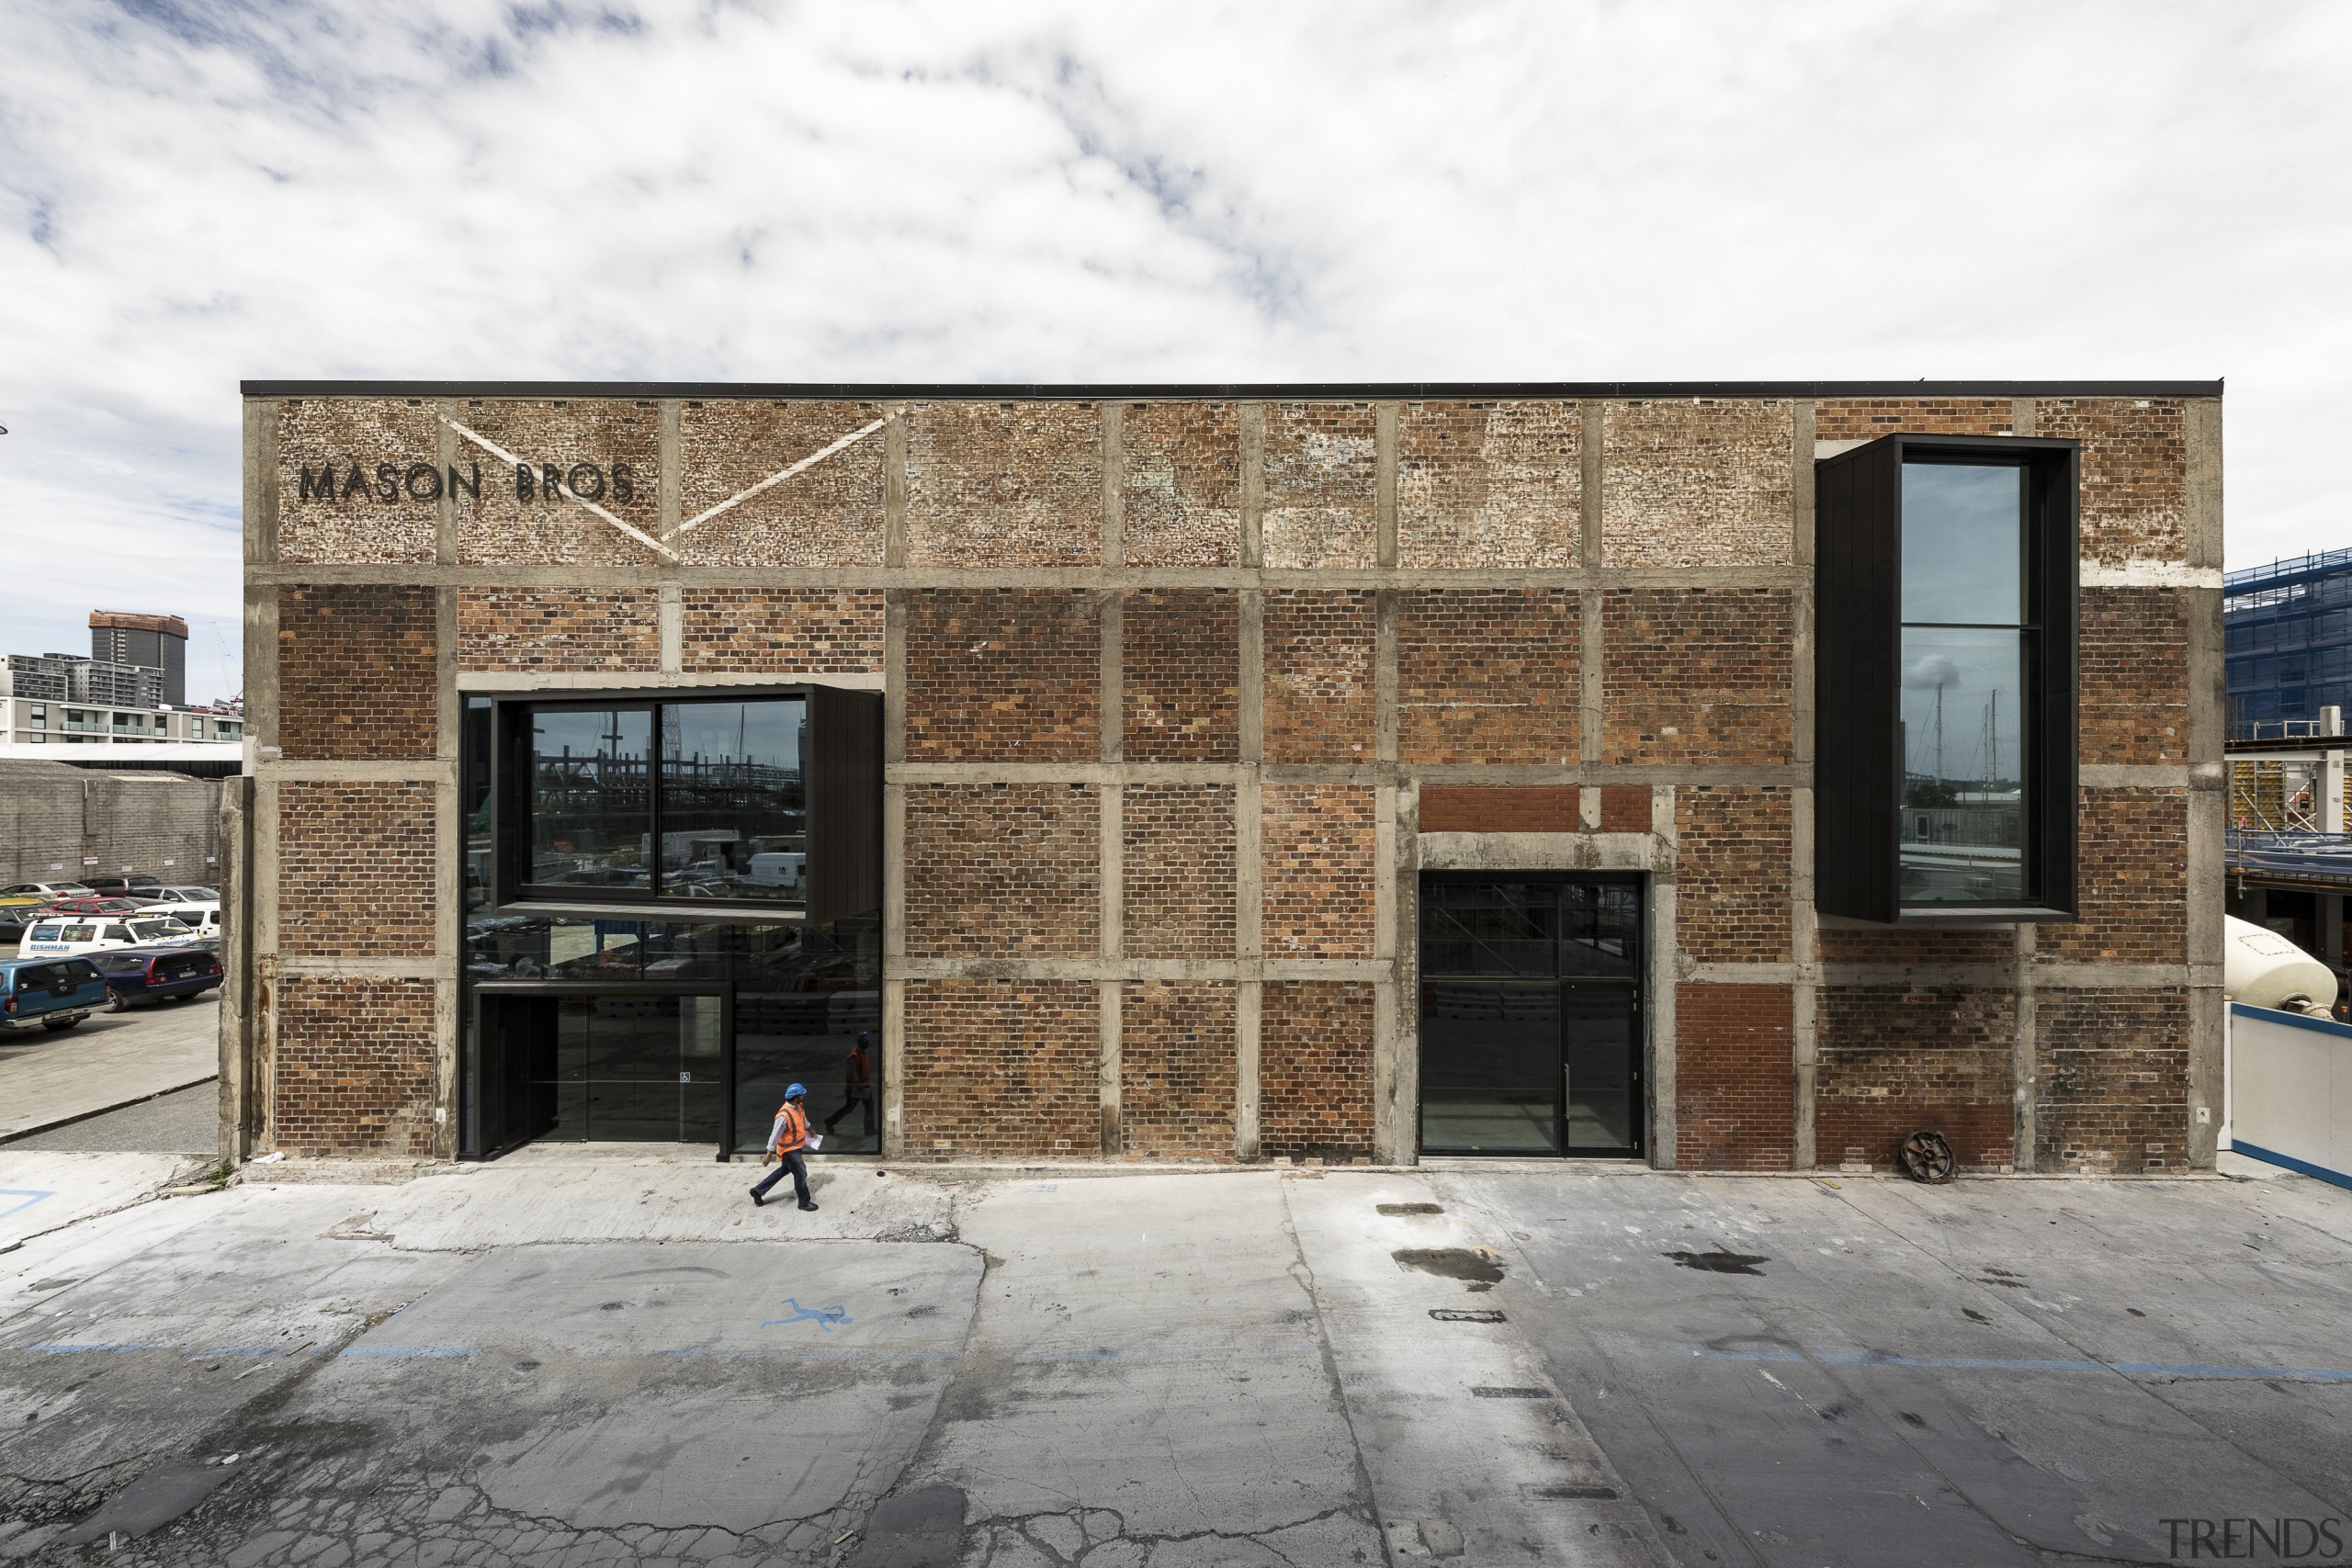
799 1170
860 1102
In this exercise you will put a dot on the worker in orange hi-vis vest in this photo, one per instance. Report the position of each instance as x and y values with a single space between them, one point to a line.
786 1139
857 1081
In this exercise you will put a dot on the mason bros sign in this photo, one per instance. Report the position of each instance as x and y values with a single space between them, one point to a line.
423 481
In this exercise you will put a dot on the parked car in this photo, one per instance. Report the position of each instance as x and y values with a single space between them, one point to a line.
89 906
44 891
189 895
56 994
143 974
126 886
203 919
56 938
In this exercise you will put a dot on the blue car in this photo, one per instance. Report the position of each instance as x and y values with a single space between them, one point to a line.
55 993
137 974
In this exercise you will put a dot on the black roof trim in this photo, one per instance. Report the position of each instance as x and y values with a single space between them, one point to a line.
869 392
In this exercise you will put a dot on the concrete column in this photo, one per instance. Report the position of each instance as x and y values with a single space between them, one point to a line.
1589 653
256 1023
1664 948
1804 919
2207 800
444 457
894 794
1248 839
1384 495
449 878
236 965
2025 1079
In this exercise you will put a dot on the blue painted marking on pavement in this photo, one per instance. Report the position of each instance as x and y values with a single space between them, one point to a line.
1999 1364
30 1196
406 1352
823 1318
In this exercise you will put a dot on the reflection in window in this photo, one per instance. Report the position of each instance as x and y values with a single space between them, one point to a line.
734 816
592 797
1967 657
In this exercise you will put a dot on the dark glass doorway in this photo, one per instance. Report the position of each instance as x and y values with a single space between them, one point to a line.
603 1066
1530 1014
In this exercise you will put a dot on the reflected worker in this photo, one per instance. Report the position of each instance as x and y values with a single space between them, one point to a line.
857 1081
786 1139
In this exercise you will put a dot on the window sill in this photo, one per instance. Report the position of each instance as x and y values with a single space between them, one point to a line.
701 911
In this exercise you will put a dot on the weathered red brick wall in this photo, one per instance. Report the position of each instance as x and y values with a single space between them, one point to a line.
1180 675
1004 484
1002 868
355 672
1891 946
1697 483
598 446
1177 1069
1315 1070
2134 865
1001 1069
1489 484
1318 675
1734 1078
1898 1059
338 501
353 1067
1178 858
1867 419
356 869
1181 499
829 514
2134 495
2132 670
1320 858
1321 472
525 628
1626 808
1732 883
1488 676
1500 808
1004 674
812 631
2113 1069
1697 675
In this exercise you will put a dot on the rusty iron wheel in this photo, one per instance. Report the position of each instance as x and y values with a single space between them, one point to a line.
1927 1157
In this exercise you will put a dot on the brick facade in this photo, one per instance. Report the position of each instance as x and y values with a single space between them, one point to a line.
355 672
1327 613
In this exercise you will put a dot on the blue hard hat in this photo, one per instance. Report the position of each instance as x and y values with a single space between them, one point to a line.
796 1092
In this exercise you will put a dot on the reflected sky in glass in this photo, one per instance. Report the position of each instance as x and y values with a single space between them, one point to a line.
1973 683
1963 543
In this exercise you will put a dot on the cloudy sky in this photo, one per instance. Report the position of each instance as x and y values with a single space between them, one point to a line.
191 194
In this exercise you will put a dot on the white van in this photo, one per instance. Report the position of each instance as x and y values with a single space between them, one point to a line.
779 868
60 935
201 916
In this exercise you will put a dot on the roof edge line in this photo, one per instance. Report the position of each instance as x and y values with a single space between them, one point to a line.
870 391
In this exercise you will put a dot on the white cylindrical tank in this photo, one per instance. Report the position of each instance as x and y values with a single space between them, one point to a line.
2263 969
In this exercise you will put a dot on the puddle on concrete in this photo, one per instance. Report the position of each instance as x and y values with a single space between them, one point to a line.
1480 1269
1409 1208
1718 1261
1468 1315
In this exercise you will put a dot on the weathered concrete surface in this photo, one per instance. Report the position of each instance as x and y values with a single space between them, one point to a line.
108 1059
43 1190
1172 1370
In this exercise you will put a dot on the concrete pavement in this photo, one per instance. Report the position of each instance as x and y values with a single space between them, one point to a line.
108 1059
608 1356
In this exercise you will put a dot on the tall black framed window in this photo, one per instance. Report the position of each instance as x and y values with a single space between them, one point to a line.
764 802
1946 679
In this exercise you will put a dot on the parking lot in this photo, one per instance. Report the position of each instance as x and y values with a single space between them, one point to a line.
606 1355
53 1080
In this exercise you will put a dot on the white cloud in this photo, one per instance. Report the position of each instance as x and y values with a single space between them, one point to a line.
190 195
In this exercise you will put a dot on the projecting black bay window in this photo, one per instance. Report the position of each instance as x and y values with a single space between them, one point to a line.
1946 699
768 802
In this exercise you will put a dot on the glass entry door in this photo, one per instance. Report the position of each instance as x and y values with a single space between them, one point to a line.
606 1067
1530 1014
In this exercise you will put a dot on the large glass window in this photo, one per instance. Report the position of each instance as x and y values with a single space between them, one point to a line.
1968 651
685 801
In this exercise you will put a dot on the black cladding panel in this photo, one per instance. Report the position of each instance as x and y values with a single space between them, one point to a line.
845 782
1859 771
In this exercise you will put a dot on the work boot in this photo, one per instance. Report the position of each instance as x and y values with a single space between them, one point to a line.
808 1208
758 1201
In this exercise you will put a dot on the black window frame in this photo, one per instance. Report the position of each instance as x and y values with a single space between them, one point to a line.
841 796
1859 762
